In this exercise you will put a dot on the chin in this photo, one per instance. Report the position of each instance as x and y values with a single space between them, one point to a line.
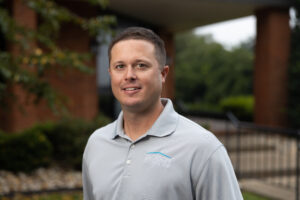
131 103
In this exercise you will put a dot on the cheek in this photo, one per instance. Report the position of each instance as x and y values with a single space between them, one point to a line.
155 82
114 86
114 79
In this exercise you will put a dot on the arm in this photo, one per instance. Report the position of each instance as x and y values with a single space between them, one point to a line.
217 179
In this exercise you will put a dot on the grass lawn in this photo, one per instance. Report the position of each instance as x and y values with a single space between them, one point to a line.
78 196
251 196
52 196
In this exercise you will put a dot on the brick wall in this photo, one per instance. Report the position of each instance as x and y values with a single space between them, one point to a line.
271 63
80 89
169 86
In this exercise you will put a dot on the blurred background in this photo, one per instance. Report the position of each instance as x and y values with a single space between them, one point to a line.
235 69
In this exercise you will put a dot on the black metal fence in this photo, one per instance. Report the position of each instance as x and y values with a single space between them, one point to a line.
264 153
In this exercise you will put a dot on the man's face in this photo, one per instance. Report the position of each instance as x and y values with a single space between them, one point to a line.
136 77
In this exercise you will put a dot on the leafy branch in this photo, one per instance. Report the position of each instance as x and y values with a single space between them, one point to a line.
38 51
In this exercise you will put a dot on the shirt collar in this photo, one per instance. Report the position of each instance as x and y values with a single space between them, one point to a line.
165 124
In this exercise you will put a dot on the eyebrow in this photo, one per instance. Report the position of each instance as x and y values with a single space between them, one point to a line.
118 62
141 60
135 61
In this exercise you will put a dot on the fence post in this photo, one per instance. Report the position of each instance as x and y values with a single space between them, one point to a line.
238 152
236 123
297 165
227 134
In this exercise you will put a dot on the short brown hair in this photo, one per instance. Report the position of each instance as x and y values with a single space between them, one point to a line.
140 33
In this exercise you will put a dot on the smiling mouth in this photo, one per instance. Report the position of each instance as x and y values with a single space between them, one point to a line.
130 89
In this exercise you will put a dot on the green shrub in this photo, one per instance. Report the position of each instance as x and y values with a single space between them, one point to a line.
47 143
203 107
68 138
24 151
241 106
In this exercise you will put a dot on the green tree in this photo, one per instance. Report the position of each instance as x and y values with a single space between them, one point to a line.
206 72
46 53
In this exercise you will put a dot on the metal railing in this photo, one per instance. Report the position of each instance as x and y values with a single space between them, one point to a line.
264 153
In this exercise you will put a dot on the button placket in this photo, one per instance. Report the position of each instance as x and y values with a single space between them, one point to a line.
125 179
128 162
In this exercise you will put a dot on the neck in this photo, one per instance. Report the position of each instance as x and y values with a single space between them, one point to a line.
137 124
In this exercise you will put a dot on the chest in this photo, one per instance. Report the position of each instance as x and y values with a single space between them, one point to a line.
140 171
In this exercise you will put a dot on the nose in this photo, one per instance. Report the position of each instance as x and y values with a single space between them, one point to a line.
130 74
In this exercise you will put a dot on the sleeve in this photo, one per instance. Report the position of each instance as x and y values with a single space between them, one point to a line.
86 182
217 179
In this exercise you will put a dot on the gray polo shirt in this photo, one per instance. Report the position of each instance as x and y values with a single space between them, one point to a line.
175 160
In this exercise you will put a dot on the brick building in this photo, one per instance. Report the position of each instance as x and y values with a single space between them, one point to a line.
80 88
166 18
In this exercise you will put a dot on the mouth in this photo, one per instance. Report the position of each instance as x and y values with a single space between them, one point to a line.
130 89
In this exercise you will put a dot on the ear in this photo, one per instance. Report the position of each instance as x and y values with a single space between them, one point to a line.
164 73
109 70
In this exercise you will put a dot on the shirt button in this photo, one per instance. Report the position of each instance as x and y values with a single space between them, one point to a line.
132 146
128 162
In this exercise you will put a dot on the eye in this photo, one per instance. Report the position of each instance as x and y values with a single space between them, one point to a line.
119 66
141 65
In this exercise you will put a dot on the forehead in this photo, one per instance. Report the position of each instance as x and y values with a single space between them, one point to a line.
135 46
133 43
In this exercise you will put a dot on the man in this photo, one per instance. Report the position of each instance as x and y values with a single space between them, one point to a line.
151 152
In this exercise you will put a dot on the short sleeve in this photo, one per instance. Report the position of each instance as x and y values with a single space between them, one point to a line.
86 182
217 180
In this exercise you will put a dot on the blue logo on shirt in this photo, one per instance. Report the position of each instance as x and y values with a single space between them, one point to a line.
156 152
158 159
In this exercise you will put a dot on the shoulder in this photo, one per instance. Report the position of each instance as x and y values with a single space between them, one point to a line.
100 136
107 131
194 142
196 134
185 123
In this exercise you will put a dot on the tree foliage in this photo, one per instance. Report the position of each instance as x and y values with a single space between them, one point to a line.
38 50
206 72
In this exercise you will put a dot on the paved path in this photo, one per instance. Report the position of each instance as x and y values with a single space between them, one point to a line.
266 190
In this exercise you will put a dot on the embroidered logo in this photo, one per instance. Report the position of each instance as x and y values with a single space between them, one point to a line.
158 159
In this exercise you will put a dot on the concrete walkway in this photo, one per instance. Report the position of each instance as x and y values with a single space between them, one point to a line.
267 190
